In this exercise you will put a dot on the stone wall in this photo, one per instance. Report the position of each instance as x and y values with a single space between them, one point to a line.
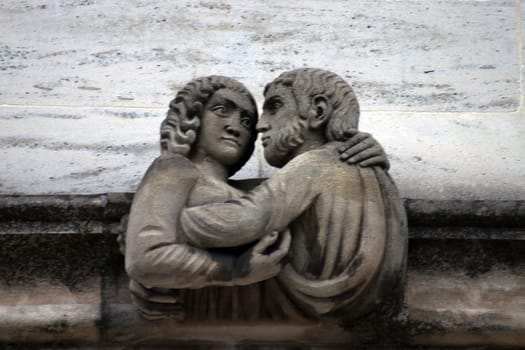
84 84
62 283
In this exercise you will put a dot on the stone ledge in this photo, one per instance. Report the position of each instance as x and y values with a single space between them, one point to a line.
463 213
468 328
50 323
465 282
429 319
65 208
101 214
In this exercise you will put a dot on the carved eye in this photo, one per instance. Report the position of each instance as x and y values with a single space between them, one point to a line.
274 105
220 109
246 122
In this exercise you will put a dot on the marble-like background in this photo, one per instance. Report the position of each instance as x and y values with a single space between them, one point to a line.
84 84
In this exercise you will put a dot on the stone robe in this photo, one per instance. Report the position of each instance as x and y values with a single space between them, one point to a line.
161 257
349 234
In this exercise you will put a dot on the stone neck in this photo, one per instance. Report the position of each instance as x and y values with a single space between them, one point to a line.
210 167
311 142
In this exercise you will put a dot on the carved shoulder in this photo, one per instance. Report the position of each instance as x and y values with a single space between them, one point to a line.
172 168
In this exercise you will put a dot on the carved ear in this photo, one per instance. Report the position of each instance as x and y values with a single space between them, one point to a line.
320 112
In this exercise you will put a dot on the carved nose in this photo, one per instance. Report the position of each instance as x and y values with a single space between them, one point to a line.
232 130
262 125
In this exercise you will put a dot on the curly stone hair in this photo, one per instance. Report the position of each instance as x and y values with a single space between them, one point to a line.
314 81
178 131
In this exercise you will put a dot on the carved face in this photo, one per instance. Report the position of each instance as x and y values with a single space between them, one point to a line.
281 127
226 125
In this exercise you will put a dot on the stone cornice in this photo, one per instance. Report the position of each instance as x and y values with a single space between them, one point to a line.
101 213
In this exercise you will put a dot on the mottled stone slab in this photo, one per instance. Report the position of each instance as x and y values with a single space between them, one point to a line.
452 156
522 38
433 156
49 323
459 293
400 55
50 287
80 151
466 293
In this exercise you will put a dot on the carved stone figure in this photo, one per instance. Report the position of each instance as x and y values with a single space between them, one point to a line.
320 238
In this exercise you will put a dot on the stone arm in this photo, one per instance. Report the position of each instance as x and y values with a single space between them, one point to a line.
269 207
156 254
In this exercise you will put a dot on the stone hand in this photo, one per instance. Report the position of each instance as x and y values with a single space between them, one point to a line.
264 260
361 148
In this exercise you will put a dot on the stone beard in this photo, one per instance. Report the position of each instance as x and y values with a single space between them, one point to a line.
287 140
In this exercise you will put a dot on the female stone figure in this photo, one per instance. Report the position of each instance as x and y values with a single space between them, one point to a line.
208 134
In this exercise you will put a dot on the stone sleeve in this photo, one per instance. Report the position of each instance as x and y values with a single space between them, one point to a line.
271 206
156 253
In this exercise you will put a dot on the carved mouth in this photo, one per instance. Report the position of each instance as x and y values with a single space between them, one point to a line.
231 140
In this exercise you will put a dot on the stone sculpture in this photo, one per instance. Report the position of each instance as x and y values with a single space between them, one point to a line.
321 238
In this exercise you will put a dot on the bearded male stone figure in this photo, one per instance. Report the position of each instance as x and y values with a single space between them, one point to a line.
347 223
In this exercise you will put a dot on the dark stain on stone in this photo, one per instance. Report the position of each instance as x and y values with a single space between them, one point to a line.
71 260
135 115
76 3
25 115
14 67
472 256
215 6
40 143
477 213
467 124
504 102
407 93
42 87
92 88
107 52
57 327
58 53
84 174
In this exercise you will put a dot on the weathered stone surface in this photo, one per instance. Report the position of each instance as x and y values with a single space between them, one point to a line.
126 327
466 293
50 287
80 151
459 293
72 289
522 38
451 156
433 156
468 157
101 214
442 55
52 208
466 213
49 323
